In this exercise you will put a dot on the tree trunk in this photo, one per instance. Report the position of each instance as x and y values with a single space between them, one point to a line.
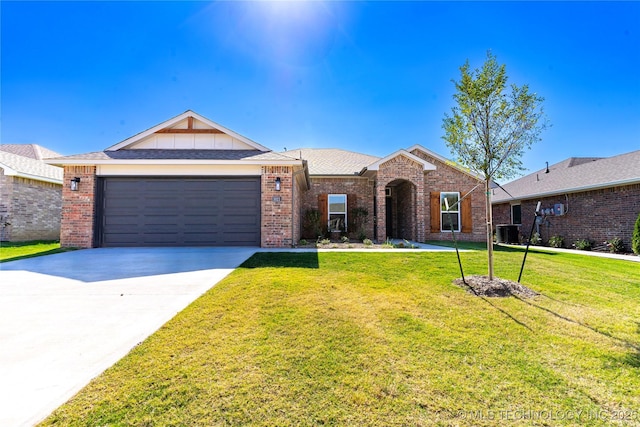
489 228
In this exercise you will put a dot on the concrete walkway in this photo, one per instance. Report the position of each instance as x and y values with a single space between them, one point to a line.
67 317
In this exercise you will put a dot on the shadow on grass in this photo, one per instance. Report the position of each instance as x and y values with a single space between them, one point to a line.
37 254
282 260
485 299
633 358
482 246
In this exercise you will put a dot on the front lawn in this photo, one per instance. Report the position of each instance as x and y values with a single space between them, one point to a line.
385 339
14 251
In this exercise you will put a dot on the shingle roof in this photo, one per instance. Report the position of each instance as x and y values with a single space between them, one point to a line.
572 175
332 161
159 154
32 151
14 164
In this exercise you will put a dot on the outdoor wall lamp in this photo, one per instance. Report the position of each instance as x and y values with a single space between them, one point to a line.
75 183
278 182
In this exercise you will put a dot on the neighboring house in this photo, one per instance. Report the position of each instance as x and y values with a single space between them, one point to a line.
189 181
592 198
30 194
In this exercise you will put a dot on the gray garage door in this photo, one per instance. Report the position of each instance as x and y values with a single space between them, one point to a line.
179 212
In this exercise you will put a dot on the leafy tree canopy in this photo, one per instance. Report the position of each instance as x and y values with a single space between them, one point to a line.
492 123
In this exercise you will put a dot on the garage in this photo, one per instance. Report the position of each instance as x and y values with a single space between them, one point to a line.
178 211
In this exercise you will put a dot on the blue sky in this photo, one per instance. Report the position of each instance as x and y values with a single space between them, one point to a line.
371 77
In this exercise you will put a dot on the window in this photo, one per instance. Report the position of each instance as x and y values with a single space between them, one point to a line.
450 211
337 212
516 214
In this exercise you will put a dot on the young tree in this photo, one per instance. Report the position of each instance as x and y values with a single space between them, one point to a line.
491 126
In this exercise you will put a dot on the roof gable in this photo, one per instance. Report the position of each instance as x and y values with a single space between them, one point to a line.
188 131
425 164
444 160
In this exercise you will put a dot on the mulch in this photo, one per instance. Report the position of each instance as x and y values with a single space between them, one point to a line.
482 286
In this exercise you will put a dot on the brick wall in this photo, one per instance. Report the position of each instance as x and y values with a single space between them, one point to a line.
597 215
413 208
448 178
6 203
31 207
277 218
78 207
360 186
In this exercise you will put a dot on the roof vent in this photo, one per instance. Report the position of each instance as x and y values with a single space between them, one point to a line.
547 171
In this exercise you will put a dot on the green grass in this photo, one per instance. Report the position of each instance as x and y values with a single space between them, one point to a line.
14 251
385 339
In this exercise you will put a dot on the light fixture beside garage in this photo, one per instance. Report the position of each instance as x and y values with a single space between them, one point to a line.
75 184
278 182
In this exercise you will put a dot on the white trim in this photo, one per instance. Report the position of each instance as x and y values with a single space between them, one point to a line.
178 170
425 164
338 176
329 213
167 124
81 162
457 211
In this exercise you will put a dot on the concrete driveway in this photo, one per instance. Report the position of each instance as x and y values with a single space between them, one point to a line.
65 318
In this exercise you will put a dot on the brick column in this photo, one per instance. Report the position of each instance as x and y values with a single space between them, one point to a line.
277 207
381 211
78 207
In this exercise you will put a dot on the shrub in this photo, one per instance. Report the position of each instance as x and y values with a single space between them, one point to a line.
322 241
536 240
312 224
615 245
357 221
635 241
388 244
344 239
367 242
582 244
303 242
556 241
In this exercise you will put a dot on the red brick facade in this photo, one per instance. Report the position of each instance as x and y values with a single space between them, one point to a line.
277 207
596 215
409 201
449 178
282 211
78 207
361 187
410 198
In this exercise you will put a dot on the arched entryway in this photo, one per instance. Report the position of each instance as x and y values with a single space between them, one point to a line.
400 210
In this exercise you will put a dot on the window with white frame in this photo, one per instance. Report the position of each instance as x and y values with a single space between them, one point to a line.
337 212
450 211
